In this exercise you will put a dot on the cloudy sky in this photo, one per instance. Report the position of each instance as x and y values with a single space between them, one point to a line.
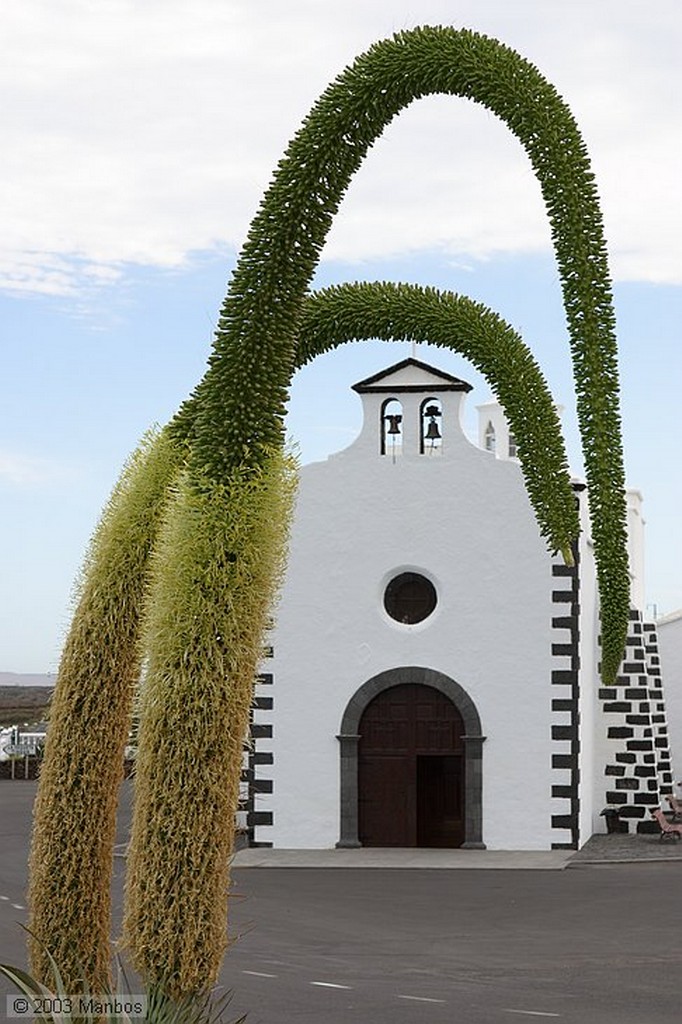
137 138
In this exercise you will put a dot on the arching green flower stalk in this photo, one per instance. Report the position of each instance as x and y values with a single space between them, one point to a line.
399 311
238 418
221 546
394 312
219 559
244 394
75 809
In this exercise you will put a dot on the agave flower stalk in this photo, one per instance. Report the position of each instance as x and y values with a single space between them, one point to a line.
219 559
75 808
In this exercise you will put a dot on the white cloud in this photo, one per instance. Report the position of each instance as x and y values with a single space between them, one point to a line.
139 132
20 470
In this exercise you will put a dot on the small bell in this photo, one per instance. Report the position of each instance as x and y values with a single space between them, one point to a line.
393 424
432 431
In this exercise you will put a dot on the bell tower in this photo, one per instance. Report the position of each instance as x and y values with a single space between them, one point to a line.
412 411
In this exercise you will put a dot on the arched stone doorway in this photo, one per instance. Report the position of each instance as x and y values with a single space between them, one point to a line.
411 769
462 737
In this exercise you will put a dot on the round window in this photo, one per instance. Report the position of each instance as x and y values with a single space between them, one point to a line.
410 598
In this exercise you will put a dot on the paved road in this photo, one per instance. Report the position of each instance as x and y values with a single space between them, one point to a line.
588 945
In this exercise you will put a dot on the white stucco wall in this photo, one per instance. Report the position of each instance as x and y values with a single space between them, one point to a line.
461 518
670 648
635 526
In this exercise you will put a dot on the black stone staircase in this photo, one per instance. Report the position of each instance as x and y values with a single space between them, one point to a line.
638 766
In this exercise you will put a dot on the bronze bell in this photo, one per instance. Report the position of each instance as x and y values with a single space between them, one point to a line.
432 431
393 424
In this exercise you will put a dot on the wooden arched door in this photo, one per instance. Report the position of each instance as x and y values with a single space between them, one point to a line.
411 769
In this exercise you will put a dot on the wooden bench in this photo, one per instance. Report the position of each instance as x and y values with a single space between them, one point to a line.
675 807
669 830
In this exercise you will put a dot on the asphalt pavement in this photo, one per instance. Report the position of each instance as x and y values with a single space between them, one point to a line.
384 942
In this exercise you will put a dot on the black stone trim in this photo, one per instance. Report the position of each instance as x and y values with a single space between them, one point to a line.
648 749
262 703
620 732
258 818
260 731
565 761
449 382
564 677
631 811
567 646
262 785
559 569
565 704
565 650
648 827
562 821
262 757
255 784
565 732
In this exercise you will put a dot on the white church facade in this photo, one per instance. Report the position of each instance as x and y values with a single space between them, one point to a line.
431 677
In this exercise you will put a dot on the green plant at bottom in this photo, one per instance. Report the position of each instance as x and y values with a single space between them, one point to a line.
117 1004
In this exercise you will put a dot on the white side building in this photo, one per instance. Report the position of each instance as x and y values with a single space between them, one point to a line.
432 678
670 642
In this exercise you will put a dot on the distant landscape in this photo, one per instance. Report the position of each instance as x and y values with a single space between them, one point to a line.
24 697
27 679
